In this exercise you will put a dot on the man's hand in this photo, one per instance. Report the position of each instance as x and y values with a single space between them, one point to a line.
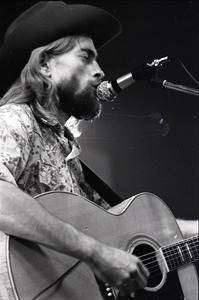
119 269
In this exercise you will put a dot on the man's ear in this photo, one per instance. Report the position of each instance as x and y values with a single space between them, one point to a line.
45 66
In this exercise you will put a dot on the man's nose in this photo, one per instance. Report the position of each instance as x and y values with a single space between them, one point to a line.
98 73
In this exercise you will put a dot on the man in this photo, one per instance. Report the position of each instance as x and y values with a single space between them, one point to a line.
49 72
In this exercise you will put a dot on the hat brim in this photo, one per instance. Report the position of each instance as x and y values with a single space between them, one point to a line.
46 22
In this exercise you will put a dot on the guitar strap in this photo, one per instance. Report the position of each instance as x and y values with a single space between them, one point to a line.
100 186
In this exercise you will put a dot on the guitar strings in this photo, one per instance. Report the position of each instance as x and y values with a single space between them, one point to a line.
173 255
194 240
154 266
172 245
155 269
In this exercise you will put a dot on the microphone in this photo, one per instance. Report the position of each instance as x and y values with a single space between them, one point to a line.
108 90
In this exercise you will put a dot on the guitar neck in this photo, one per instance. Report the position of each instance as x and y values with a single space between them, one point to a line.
181 253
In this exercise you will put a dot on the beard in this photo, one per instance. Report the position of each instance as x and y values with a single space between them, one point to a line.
82 105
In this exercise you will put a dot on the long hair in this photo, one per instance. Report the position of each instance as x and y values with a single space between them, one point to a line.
35 88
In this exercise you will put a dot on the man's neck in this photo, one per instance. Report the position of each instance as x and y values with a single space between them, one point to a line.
63 118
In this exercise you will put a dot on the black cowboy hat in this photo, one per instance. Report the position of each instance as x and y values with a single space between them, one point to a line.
46 22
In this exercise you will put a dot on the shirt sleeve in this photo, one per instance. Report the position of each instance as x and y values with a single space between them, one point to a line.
14 143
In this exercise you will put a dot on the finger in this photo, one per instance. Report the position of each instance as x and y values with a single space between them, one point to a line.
124 296
132 286
128 286
143 269
140 278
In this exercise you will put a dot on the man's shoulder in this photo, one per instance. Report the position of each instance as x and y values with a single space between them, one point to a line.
16 115
14 108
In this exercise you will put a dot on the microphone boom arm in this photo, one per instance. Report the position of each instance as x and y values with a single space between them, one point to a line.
108 90
163 83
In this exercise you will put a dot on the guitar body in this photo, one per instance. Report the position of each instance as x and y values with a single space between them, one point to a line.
140 224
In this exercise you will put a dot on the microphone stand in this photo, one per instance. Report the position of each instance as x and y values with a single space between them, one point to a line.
163 83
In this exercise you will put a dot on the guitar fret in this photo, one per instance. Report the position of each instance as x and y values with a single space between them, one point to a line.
172 257
164 260
184 252
189 250
193 246
180 253
178 257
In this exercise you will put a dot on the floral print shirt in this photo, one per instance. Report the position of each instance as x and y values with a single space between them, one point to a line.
40 157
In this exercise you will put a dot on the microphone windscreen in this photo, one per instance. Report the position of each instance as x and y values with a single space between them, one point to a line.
105 93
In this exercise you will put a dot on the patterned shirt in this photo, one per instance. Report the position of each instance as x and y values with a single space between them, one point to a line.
38 156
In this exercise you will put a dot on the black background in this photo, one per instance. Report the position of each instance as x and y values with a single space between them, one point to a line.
127 146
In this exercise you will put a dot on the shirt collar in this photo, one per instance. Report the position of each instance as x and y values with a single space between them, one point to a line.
54 124
64 130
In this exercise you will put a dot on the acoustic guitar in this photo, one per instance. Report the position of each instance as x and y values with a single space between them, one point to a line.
142 225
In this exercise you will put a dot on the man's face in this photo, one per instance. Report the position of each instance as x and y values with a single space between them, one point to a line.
77 75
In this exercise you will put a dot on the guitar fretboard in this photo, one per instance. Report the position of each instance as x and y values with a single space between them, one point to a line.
181 253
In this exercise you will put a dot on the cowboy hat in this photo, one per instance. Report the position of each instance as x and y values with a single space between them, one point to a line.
46 22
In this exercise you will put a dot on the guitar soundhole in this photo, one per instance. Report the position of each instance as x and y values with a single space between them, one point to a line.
149 258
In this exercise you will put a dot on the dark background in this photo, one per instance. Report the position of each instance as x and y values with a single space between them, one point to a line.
127 146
